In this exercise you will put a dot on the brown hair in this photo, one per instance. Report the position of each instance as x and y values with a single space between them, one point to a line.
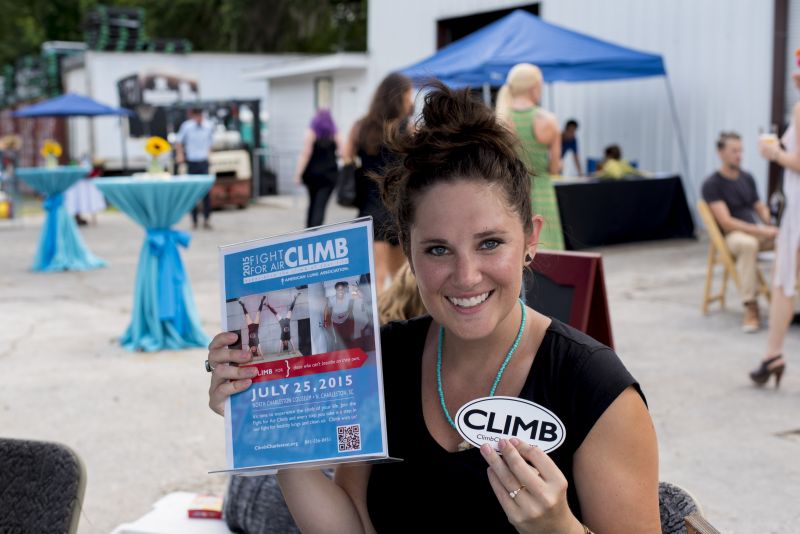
388 106
724 136
457 138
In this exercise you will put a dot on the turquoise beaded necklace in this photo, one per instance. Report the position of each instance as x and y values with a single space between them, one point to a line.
499 373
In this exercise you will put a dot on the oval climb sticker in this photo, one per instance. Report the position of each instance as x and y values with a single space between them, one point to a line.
490 419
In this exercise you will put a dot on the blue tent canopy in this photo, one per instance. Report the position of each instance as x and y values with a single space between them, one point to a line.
483 59
486 56
70 105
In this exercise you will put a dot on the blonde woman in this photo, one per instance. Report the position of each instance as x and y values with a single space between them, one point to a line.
540 144
401 301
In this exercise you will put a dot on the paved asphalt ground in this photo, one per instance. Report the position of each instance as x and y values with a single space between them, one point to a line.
140 421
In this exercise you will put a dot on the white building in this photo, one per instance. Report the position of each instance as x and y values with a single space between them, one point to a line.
297 88
718 55
218 76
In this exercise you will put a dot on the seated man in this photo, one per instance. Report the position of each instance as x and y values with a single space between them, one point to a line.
743 218
613 166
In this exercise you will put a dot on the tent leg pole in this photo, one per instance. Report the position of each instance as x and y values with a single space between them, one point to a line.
685 178
92 148
123 137
487 95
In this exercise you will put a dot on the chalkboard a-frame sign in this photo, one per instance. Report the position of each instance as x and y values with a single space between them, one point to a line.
570 286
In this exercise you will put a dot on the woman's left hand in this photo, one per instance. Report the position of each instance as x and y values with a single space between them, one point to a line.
539 486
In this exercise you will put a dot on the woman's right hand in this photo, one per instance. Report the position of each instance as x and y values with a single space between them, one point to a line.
769 149
227 378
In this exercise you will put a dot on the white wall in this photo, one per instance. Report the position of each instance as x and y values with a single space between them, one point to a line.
401 33
792 44
219 77
717 52
77 127
351 100
291 108
718 55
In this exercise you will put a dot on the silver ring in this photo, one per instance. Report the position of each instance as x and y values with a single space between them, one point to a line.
208 366
513 494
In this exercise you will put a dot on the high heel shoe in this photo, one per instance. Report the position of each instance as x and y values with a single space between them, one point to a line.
761 374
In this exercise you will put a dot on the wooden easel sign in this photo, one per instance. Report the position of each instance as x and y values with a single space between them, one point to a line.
570 286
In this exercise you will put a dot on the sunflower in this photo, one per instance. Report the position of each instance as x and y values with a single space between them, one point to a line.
155 146
51 148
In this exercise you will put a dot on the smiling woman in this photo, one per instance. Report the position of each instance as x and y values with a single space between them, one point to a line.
469 274
460 198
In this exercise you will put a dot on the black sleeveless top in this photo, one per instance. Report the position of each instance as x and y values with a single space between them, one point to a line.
433 490
368 195
321 168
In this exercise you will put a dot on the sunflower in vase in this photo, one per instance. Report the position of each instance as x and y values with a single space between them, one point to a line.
156 146
50 151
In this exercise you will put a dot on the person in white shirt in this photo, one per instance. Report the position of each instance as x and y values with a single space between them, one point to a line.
194 147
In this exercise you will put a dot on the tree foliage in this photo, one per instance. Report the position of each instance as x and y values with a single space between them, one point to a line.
312 26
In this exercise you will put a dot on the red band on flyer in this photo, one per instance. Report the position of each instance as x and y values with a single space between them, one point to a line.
339 360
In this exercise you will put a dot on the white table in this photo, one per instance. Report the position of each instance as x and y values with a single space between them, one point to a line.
169 516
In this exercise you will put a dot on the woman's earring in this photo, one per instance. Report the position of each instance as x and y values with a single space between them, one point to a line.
528 258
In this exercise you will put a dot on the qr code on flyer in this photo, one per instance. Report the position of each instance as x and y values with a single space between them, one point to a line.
349 438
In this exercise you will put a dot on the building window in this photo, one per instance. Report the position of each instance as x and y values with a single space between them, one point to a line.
323 93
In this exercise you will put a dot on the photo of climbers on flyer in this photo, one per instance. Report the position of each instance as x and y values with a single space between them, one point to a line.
304 306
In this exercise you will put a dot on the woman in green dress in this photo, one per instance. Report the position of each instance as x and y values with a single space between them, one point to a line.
540 144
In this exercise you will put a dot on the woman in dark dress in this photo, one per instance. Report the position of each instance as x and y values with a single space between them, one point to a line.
392 105
461 200
316 166
338 315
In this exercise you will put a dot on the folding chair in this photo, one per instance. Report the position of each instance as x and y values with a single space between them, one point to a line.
719 254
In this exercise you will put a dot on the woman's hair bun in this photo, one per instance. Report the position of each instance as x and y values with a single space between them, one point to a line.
456 137
452 122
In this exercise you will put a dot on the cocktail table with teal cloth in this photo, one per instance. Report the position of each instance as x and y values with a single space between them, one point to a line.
164 314
61 247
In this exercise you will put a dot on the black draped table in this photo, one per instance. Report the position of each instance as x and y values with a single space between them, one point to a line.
605 212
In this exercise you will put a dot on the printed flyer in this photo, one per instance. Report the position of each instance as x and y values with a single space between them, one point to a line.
305 306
